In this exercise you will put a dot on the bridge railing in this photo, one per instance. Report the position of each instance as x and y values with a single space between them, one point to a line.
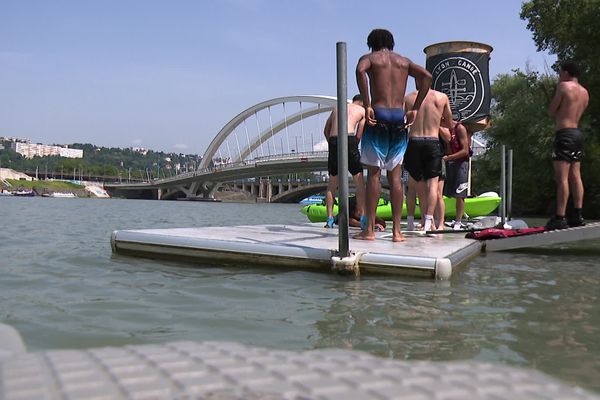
244 164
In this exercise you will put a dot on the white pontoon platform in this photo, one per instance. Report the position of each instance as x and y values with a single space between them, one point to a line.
300 246
312 246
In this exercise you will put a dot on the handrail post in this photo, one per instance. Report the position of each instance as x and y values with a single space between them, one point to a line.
503 185
509 186
342 149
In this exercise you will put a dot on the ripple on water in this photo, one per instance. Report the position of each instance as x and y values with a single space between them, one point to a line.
62 287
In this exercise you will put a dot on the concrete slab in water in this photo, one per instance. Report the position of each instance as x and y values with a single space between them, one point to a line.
299 246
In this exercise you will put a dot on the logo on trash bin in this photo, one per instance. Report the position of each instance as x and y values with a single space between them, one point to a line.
460 79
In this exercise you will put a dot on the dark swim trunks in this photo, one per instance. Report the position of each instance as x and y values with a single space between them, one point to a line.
384 144
423 158
457 179
568 145
354 165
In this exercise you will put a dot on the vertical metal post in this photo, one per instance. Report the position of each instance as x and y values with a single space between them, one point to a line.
509 184
503 184
342 149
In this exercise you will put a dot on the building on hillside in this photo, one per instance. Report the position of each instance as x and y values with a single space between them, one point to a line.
30 150
70 153
140 150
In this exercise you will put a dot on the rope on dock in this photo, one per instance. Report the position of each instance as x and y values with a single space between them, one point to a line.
347 265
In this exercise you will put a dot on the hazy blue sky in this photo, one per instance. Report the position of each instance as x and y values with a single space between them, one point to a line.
167 75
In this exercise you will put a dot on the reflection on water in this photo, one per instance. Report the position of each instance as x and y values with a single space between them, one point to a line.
61 287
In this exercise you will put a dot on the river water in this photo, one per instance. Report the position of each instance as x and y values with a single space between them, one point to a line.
61 287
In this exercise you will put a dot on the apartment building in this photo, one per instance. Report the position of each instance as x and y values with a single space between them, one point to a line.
30 150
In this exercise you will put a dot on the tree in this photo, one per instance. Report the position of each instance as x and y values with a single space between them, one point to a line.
571 30
519 121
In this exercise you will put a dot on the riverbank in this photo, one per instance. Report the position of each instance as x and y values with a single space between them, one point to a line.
45 187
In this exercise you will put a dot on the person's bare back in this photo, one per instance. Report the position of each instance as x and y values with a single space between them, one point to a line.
434 112
382 74
356 115
568 105
388 73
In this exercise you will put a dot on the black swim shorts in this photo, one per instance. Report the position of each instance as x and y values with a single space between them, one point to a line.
423 158
354 165
457 179
568 145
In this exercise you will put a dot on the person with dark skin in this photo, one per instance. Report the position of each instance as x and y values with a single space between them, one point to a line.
569 102
382 76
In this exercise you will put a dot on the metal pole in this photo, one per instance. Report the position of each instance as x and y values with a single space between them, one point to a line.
503 184
509 185
342 149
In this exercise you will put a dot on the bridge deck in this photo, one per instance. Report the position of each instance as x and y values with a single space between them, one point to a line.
299 246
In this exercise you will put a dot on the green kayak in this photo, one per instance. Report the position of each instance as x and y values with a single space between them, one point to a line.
474 207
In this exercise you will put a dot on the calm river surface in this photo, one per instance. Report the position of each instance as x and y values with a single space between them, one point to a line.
61 287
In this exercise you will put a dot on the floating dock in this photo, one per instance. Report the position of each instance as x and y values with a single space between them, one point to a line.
312 246
300 246
233 371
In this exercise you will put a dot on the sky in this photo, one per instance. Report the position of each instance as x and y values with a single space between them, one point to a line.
168 75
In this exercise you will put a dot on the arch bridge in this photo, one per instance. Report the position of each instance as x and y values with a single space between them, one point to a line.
261 152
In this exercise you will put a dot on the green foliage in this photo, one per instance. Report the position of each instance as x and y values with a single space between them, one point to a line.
520 122
519 106
41 185
102 161
571 30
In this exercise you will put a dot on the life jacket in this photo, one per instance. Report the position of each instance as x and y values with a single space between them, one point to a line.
455 146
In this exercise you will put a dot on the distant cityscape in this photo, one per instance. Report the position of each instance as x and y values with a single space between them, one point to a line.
30 150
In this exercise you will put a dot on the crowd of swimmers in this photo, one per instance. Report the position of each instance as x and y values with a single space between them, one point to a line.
416 133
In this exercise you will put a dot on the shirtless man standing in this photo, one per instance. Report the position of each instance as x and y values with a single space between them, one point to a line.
423 158
356 124
385 139
567 106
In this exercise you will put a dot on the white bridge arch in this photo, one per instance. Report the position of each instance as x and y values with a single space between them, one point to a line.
299 110
263 154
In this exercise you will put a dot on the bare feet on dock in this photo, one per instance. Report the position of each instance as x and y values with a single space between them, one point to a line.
398 238
364 236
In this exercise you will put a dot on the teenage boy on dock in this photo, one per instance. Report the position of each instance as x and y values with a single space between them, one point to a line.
356 125
423 158
457 168
381 76
567 106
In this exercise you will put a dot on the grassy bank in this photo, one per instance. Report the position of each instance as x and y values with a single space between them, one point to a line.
39 186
